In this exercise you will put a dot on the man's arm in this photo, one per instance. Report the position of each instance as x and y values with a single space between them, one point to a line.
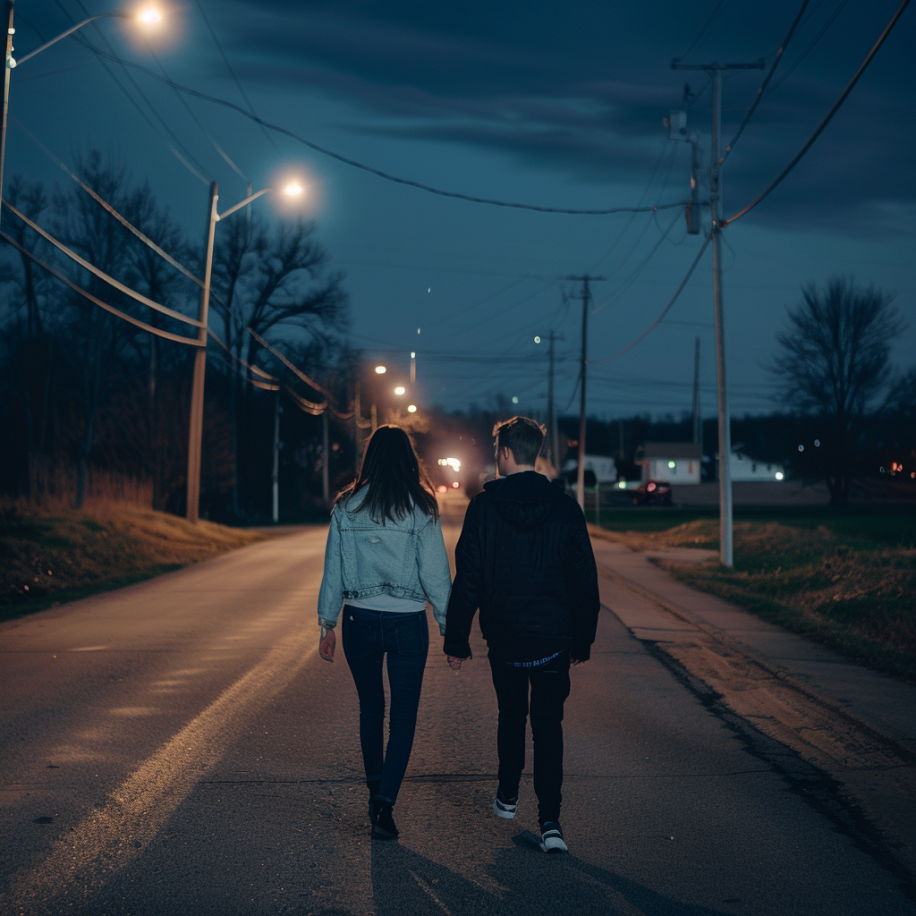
465 596
582 576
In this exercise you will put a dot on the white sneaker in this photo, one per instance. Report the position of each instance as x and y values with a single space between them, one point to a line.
552 837
505 807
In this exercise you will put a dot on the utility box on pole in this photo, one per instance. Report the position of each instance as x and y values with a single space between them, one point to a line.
676 122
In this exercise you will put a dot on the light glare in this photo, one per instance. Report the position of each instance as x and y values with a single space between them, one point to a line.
400 390
150 16
412 408
293 189
381 370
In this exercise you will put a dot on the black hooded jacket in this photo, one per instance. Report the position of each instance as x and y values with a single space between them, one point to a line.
525 559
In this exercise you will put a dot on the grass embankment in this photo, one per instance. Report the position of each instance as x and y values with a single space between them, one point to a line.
51 557
844 578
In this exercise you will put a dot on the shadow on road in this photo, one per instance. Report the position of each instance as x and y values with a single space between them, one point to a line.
525 881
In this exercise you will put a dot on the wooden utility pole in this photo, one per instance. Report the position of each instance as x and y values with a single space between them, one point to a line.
552 432
580 472
195 433
726 533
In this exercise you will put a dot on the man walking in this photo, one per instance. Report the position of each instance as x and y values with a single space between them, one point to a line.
524 558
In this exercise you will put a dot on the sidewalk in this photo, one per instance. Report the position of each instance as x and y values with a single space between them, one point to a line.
851 723
886 705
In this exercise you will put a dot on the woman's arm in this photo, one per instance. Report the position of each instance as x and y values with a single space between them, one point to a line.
432 564
330 596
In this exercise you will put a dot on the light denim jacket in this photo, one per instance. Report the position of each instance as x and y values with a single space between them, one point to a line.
405 558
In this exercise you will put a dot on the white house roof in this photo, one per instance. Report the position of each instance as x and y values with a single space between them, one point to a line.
688 450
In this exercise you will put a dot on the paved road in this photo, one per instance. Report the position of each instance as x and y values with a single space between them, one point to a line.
178 747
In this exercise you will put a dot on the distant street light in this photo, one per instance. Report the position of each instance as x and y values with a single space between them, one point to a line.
381 370
412 408
195 432
149 16
400 390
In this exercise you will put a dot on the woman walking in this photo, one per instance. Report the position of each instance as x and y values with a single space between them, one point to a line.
385 558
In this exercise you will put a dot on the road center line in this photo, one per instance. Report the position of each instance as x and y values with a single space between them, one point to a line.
111 838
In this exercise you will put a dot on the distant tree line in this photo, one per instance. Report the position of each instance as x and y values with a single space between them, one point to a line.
94 405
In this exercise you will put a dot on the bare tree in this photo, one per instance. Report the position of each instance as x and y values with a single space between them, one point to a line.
270 281
96 341
833 363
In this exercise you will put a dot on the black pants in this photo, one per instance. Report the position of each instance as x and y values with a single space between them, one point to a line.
549 690
369 638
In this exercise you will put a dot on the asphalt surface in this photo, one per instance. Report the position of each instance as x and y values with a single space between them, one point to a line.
179 747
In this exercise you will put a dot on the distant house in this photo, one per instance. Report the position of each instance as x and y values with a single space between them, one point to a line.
597 468
676 462
744 468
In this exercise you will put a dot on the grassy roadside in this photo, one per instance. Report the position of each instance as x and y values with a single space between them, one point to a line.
51 557
845 579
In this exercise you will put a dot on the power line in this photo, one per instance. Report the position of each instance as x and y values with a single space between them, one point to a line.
111 281
455 195
192 341
664 312
827 118
107 206
197 170
766 80
198 122
705 26
810 47
231 70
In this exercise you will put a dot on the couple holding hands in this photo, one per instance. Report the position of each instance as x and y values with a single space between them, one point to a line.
524 559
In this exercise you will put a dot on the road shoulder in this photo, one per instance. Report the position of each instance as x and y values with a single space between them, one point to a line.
854 725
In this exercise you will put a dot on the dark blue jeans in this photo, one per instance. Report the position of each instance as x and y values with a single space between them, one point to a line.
368 637
549 689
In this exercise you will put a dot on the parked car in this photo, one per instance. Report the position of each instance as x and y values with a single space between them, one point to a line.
653 493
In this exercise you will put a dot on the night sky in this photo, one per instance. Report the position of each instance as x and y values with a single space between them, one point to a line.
553 105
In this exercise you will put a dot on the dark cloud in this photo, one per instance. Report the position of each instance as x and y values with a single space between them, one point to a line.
582 91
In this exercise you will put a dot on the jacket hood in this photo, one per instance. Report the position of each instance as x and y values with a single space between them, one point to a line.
525 499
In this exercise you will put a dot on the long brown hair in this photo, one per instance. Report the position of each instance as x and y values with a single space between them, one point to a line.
397 481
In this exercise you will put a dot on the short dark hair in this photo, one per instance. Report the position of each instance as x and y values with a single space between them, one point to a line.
522 436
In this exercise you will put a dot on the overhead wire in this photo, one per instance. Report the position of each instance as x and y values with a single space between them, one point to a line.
810 47
430 189
631 279
187 158
709 21
107 206
158 332
664 311
766 81
225 156
111 281
231 69
826 120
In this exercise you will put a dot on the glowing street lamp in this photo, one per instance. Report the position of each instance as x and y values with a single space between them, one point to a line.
400 390
381 370
195 432
149 16
412 408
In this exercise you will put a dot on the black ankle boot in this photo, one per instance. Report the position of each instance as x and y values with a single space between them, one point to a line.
382 816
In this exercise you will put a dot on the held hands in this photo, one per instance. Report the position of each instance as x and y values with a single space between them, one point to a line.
454 663
327 645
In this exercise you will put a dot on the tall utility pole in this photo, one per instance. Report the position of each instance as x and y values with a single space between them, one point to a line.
580 472
8 53
325 458
696 396
552 432
726 535
200 369
275 471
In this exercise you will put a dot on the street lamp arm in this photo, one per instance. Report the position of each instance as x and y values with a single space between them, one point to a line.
243 203
70 31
